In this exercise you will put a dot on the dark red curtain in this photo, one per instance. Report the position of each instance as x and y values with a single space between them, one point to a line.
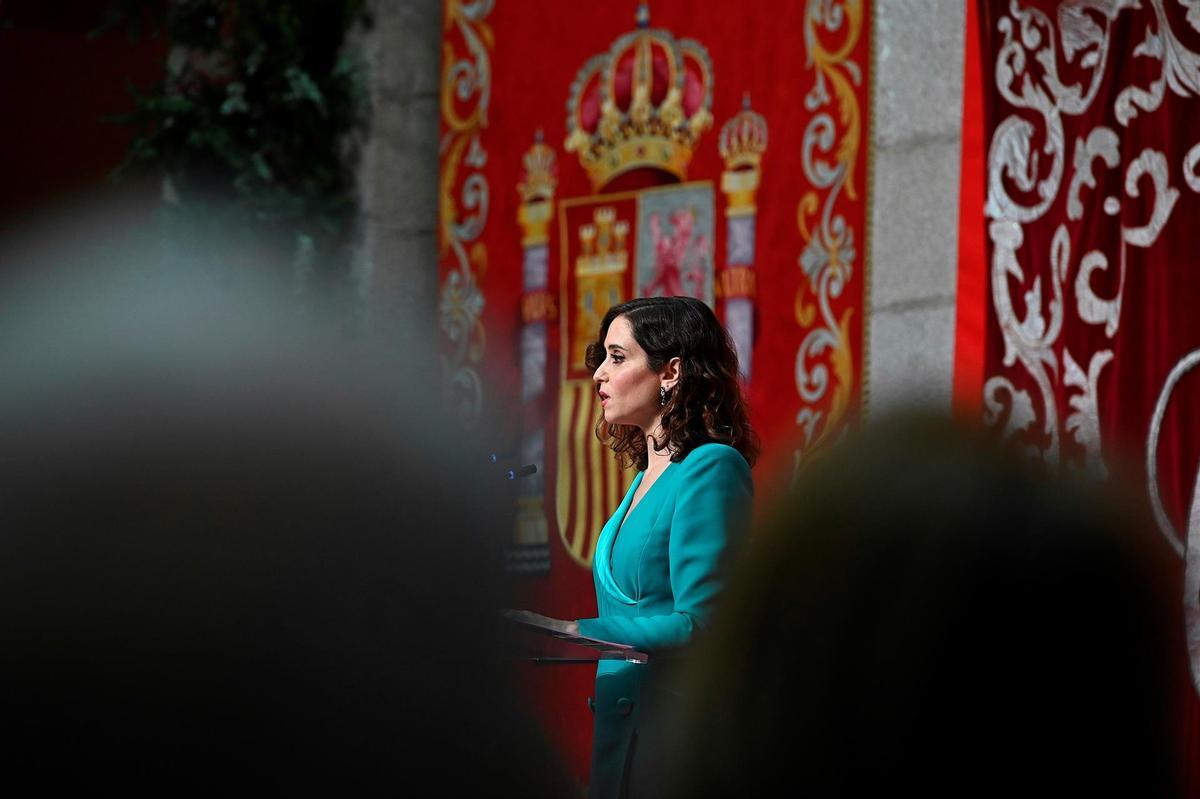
1087 272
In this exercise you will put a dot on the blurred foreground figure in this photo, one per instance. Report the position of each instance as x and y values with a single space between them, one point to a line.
930 616
237 555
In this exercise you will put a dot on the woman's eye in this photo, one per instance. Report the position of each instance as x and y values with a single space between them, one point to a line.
617 359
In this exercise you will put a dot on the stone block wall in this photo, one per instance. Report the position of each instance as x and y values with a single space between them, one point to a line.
914 209
399 174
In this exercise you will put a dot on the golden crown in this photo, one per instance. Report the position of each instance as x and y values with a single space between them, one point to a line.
743 138
644 103
536 188
540 175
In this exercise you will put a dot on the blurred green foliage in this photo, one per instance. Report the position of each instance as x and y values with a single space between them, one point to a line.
254 120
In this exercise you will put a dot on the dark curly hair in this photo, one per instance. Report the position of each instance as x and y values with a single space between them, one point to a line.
706 404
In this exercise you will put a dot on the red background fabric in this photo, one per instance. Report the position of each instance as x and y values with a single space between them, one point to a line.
969 328
1032 54
533 52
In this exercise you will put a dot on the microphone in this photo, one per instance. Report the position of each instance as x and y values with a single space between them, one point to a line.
524 471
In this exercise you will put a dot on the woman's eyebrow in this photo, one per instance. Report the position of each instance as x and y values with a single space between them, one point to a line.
616 347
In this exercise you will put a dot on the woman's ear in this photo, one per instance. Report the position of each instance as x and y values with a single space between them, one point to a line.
670 373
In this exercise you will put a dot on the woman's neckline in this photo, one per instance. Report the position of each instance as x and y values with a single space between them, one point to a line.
636 502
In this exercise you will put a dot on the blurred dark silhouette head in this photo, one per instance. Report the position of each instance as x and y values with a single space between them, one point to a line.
928 614
238 552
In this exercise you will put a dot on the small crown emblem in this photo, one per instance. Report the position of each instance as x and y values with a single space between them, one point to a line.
743 138
540 176
644 103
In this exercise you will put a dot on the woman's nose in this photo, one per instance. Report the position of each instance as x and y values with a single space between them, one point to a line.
599 375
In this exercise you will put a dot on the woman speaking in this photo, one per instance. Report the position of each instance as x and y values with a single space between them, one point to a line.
666 374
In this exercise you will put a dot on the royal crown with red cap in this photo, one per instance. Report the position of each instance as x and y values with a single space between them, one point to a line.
644 103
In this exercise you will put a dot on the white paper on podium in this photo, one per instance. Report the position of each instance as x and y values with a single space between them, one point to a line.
559 629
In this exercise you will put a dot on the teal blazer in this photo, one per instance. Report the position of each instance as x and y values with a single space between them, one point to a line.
658 573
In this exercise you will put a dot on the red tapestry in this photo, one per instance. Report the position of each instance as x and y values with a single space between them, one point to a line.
596 152
1089 348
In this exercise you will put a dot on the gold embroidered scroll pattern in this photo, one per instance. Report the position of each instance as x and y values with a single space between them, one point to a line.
466 81
827 259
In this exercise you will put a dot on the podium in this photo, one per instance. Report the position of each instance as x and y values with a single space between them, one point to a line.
543 640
